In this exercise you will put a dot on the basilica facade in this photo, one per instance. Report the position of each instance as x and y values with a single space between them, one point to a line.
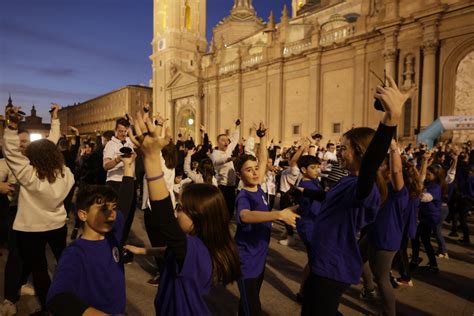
316 70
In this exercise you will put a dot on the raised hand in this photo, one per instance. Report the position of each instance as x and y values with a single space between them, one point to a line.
392 101
54 110
147 136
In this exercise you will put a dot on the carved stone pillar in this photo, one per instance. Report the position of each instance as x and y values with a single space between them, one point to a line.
429 80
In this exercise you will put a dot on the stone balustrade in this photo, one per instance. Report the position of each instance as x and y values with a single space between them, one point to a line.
296 47
336 35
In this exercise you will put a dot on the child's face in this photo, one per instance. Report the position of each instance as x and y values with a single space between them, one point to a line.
184 221
100 218
194 165
177 179
348 159
311 172
249 173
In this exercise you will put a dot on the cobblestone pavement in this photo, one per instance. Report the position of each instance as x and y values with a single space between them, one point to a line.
451 292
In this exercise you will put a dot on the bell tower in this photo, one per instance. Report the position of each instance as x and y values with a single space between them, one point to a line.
179 38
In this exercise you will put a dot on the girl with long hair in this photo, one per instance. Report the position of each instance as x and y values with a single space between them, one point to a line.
411 178
199 248
429 212
384 236
44 182
335 260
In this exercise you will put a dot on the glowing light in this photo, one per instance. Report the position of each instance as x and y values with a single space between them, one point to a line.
35 136
190 121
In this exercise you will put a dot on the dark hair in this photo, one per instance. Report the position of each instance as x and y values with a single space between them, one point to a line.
46 158
206 169
440 178
411 180
90 194
360 138
178 173
63 144
205 205
170 155
306 161
23 131
108 134
122 121
241 160
329 144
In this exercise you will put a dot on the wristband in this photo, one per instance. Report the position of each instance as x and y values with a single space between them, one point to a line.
149 179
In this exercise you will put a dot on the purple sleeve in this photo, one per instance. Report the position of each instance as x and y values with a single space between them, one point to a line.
370 205
242 203
66 278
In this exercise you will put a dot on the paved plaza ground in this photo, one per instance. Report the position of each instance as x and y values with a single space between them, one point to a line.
451 292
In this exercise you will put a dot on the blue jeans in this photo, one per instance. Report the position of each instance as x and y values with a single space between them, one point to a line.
439 234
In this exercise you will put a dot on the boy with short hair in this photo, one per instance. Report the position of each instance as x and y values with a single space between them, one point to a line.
309 167
90 279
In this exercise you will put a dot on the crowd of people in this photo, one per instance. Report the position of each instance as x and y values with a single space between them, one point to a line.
355 203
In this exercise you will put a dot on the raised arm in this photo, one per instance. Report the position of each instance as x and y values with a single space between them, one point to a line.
262 152
234 138
392 101
55 132
451 174
187 166
304 142
149 140
396 169
425 161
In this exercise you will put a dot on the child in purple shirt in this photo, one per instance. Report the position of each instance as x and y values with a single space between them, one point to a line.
254 225
199 248
384 236
346 208
90 275
310 170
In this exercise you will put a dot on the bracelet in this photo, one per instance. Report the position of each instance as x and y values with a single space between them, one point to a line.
149 179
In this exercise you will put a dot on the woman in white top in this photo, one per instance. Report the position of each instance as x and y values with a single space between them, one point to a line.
44 182
205 171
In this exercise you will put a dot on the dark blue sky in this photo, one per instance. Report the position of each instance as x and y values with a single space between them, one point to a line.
68 51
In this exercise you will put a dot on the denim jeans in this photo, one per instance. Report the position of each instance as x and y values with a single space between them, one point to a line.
438 232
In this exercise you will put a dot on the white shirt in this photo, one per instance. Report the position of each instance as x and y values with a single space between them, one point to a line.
111 151
169 175
40 203
249 146
329 156
225 172
193 175
289 177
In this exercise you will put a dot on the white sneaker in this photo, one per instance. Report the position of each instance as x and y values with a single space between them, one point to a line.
7 308
443 256
289 241
27 289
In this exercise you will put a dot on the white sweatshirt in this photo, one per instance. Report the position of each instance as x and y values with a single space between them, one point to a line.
40 203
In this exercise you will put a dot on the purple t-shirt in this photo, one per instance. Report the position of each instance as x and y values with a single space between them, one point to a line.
308 211
252 239
387 231
93 271
430 212
410 215
334 249
181 292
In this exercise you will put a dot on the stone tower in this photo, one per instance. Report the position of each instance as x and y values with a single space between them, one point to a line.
179 39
